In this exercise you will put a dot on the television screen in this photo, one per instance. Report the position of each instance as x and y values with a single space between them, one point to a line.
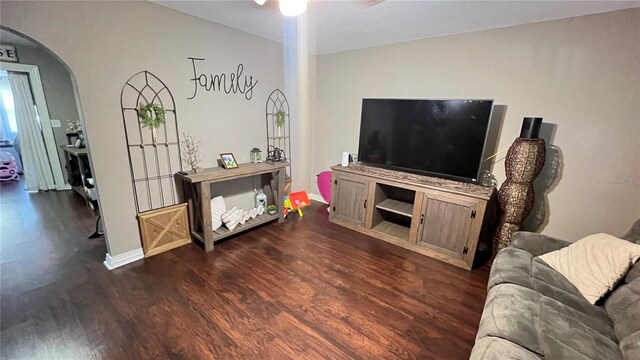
435 137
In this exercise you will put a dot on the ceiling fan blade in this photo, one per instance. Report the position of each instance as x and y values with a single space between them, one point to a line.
269 5
364 4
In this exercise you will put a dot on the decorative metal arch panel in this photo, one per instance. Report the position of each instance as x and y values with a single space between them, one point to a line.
278 137
154 156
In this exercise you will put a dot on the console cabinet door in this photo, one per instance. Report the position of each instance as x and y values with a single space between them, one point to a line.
349 199
446 223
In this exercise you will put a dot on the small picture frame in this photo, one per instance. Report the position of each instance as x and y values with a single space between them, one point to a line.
229 161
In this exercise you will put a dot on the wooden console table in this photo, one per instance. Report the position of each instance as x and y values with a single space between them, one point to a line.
197 192
439 218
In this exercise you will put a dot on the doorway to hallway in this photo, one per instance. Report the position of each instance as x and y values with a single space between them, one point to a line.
41 129
28 144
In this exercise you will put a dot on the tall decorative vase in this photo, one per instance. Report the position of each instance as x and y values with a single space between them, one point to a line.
524 161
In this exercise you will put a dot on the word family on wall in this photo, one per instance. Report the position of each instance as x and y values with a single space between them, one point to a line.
233 82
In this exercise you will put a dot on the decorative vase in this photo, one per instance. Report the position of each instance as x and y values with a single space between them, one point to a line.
525 159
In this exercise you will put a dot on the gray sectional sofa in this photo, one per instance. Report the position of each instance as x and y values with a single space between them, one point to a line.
533 312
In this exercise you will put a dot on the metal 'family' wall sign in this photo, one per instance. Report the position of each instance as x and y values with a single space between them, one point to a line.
234 82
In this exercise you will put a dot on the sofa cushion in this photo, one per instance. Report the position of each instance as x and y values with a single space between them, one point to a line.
535 243
545 326
595 263
494 348
634 233
517 266
630 346
520 267
633 273
624 308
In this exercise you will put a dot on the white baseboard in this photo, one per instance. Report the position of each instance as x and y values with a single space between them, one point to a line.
316 197
112 262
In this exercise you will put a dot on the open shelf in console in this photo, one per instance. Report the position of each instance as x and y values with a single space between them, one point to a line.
393 229
393 210
396 206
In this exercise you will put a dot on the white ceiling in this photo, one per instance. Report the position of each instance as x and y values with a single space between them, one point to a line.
335 26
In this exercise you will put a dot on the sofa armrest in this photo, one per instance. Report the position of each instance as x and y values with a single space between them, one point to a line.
537 244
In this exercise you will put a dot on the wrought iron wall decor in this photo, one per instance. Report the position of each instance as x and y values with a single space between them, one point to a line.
153 158
278 137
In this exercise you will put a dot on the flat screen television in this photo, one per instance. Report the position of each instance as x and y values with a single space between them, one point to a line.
443 138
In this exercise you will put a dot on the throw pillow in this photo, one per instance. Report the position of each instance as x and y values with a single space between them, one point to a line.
218 207
594 264
231 218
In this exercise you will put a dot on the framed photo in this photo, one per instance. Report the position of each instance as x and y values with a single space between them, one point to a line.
229 161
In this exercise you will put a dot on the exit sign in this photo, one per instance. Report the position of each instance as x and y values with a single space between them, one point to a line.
8 53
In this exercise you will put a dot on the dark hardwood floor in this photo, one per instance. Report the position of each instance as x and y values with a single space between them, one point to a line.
305 289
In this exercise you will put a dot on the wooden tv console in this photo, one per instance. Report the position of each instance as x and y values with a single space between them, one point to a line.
440 218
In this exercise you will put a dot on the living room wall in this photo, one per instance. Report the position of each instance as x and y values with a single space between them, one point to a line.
581 74
105 43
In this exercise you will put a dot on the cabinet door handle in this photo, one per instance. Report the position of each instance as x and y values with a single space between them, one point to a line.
365 204
422 219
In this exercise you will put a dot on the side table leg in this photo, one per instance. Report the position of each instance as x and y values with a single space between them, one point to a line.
205 215
279 193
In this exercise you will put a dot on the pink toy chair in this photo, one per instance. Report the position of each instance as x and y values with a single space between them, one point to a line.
324 185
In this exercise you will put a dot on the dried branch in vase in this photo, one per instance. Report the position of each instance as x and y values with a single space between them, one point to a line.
191 150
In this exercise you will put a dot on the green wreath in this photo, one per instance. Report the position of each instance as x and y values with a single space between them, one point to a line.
151 115
280 116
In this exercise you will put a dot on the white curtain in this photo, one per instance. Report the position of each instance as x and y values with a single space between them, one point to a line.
37 168
6 132
8 129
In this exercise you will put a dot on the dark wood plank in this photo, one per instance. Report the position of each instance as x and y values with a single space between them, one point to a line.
301 289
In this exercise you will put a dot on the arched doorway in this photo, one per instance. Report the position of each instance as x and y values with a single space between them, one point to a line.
41 137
